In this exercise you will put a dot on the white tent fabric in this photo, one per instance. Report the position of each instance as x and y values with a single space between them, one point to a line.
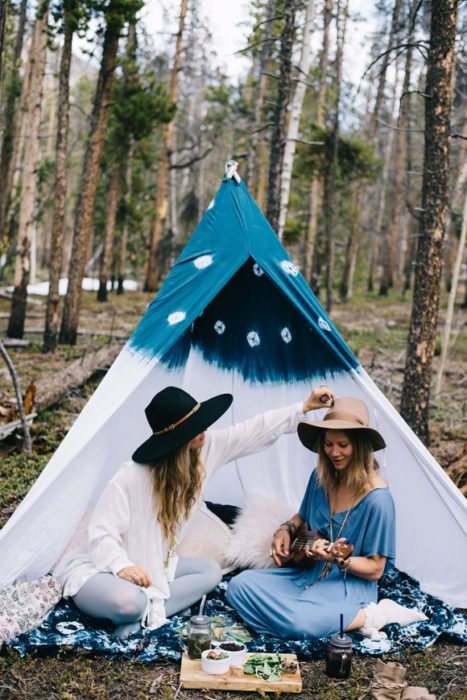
184 340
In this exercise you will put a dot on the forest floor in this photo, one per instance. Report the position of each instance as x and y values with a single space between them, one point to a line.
376 330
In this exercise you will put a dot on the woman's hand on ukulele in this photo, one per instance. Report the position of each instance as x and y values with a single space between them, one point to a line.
321 397
136 575
280 546
324 550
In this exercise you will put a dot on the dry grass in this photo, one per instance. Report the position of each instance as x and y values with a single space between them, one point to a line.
442 669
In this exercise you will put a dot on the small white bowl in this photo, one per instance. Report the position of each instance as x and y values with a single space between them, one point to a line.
237 658
215 666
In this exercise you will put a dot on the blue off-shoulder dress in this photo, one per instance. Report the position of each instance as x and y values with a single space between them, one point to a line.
297 604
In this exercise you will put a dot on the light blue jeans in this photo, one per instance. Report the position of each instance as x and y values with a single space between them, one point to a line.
123 603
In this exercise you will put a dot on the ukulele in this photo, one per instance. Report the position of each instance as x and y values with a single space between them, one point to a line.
303 537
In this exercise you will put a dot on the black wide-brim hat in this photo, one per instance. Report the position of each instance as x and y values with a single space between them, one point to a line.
176 418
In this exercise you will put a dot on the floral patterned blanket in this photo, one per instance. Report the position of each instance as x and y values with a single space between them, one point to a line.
66 628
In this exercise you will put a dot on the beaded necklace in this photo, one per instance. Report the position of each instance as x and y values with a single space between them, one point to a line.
346 517
328 564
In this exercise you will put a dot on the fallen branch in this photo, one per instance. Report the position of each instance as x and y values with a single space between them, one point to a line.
8 428
19 398
37 330
51 391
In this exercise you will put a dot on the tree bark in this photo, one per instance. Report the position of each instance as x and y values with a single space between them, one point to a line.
376 234
425 308
395 223
89 178
455 201
383 69
452 299
256 134
60 188
353 242
3 16
26 221
262 169
8 151
163 166
278 136
295 112
111 218
330 178
409 256
124 237
316 189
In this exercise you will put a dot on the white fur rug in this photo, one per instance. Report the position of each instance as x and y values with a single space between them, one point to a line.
253 531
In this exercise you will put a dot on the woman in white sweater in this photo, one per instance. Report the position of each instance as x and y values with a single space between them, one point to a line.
127 571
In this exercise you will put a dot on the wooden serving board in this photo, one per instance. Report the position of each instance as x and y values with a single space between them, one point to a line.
191 676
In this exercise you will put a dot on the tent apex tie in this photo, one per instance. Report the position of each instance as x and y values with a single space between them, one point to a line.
231 171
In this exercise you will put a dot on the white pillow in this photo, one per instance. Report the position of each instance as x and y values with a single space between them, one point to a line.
206 536
252 533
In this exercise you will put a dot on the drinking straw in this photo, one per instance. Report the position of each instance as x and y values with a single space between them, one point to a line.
341 624
201 607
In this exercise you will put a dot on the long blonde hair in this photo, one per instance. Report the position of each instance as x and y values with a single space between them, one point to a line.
357 474
177 480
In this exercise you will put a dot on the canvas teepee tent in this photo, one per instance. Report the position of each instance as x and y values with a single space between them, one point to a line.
236 315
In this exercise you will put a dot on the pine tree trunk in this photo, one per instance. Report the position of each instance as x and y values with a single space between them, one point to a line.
383 68
409 257
127 173
173 190
395 216
330 179
122 256
316 189
278 136
262 169
58 219
8 151
457 193
353 242
383 64
111 218
376 234
410 224
3 16
163 166
452 299
256 136
26 221
89 178
295 112
425 308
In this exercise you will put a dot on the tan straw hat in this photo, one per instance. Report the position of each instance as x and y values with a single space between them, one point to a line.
346 413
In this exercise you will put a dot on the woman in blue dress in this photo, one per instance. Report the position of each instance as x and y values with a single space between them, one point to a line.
346 500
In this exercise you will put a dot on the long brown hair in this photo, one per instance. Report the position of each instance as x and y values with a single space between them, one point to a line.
177 480
361 465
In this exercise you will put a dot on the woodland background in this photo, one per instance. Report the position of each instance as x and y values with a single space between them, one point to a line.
112 143
107 163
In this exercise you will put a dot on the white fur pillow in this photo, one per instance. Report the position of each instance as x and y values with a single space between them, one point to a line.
252 532
205 535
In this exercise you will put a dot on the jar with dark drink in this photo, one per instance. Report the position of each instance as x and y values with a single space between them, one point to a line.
199 635
339 656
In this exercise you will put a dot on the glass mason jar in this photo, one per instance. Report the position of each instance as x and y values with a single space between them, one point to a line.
199 635
339 656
